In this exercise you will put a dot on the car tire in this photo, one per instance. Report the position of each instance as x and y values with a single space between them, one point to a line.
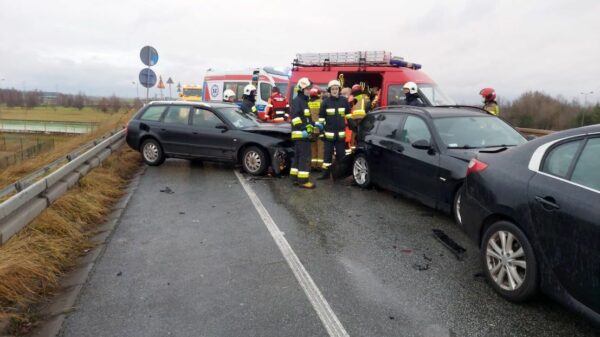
456 203
361 172
509 262
152 152
254 160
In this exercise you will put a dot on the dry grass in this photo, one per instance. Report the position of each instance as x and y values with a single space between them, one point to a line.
16 172
50 113
32 262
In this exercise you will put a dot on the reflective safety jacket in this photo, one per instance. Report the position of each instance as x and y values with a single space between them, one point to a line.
361 107
332 115
277 106
302 123
248 106
492 107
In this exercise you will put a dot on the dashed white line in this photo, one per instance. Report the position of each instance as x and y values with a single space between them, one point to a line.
332 324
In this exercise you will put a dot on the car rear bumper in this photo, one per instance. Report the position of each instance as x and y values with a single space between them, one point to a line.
473 213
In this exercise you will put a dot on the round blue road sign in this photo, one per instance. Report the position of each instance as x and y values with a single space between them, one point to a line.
147 78
149 56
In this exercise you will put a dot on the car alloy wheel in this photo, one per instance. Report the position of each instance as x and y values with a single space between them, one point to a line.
360 171
505 260
151 152
254 160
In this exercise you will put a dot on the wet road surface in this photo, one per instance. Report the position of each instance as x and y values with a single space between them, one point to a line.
201 262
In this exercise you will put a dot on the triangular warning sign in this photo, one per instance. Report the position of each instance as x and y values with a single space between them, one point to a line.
161 84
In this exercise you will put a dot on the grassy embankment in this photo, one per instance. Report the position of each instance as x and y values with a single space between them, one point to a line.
32 262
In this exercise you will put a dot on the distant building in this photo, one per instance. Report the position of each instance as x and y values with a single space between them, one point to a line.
49 98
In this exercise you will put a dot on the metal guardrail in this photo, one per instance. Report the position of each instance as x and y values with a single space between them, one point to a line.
40 192
36 175
535 132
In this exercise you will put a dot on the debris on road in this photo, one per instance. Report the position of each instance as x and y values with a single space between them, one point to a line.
454 247
427 257
167 190
420 267
120 273
181 213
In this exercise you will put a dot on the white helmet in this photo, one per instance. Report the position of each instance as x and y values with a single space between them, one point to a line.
304 83
411 87
249 89
334 83
228 94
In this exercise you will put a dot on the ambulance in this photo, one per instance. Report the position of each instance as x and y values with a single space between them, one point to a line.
371 69
190 92
264 79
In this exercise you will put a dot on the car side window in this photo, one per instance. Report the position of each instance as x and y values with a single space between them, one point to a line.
153 113
205 118
559 159
388 125
177 115
265 91
587 169
414 129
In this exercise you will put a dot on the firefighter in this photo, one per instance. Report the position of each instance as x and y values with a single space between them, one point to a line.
374 94
332 115
361 102
314 104
302 127
248 99
229 96
277 106
411 92
489 101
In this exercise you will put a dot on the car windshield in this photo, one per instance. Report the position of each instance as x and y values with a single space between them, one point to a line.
435 95
192 92
476 132
238 118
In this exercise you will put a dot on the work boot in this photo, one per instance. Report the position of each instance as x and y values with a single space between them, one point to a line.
294 181
325 175
308 185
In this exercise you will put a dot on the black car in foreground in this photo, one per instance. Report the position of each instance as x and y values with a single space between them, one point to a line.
424 152
534 211
209 131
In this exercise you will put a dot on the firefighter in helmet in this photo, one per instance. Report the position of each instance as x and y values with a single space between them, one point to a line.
314 104
411 92
277 106
248 99
229 96
332 116
302 128
489 101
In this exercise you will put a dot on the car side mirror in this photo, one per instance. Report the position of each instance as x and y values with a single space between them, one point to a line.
222 126
421 144
530 137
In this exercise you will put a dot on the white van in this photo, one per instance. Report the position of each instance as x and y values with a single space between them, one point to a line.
264 79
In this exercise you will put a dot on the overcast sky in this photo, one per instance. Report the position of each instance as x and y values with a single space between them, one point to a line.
93 46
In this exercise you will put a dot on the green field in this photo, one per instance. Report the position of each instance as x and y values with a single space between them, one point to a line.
59 114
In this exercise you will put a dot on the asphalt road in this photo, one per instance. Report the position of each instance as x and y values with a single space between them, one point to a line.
200 262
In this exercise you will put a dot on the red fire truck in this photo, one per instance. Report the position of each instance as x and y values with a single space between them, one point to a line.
373 68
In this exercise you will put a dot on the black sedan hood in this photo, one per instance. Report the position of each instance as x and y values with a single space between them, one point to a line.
270 128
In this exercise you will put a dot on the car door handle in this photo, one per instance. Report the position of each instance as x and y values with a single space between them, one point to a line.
194 132
548 203
162 129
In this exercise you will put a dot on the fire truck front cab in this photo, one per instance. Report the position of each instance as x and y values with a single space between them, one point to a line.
370 69
264 79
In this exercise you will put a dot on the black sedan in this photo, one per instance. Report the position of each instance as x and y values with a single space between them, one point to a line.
424 152
215 132
534 211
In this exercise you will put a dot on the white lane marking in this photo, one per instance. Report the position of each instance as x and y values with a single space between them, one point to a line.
328 318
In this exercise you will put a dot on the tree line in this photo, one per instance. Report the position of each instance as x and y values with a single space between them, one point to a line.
31 99
538 110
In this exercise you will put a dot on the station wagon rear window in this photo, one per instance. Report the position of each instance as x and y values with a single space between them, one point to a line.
153 113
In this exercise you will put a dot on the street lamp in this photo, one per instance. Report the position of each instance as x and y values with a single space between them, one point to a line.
585 94
137 89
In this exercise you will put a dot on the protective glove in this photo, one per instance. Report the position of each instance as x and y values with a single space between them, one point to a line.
309 128
304 134
320 126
